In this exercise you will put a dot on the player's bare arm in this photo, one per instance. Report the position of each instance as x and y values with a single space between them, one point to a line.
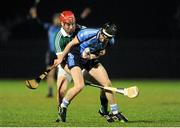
61 56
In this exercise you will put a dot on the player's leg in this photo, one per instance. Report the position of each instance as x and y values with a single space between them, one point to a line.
62 84
74 64
103 111
104 103
78 79
50 82
51 75
97 72
63 79
103 100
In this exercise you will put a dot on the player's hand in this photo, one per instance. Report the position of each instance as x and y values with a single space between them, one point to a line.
58 60
33 12
86 54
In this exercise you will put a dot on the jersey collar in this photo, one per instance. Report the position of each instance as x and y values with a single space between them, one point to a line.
64 33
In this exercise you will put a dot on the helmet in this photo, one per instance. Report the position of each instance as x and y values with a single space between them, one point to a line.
67 16
109 29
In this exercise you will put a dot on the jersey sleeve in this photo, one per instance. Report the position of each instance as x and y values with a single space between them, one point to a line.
85 34
58 42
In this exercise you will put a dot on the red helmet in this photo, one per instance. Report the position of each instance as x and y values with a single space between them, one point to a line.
67 16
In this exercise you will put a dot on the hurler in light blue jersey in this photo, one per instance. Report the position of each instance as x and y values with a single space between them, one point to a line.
82 53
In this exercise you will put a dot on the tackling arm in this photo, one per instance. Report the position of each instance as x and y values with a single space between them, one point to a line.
66 50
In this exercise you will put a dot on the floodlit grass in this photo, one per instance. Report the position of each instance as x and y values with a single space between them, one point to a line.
158 105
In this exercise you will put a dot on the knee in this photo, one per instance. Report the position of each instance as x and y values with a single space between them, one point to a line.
79 88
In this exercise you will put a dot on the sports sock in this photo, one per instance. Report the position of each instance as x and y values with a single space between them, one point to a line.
114 108
104 104
64 103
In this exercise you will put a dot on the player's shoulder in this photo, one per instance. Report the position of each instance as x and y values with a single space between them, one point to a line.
91 31
87 33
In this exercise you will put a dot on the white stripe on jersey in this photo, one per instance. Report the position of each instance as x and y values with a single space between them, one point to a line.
57 42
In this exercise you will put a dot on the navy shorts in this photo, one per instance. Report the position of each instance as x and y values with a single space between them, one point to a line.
74 59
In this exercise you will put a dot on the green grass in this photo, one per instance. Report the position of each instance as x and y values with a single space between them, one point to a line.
158 105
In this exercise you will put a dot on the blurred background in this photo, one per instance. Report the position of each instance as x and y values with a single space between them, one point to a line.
147 45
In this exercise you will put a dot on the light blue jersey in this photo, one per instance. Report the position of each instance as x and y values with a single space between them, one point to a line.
88 38
52 31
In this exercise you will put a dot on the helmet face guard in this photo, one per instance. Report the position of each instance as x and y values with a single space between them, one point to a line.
107 34
109 29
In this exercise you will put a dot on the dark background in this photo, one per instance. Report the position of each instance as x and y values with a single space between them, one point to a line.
147 45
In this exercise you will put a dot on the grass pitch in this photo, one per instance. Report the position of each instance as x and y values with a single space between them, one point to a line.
158 105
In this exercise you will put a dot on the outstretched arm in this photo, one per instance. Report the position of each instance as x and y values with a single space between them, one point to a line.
34 15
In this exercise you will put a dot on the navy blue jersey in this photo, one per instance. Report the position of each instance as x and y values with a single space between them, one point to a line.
52 31
88 38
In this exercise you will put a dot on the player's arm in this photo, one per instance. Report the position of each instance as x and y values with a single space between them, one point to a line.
34 15
75 41
61 56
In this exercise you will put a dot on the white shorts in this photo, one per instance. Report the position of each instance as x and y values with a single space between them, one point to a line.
62 72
